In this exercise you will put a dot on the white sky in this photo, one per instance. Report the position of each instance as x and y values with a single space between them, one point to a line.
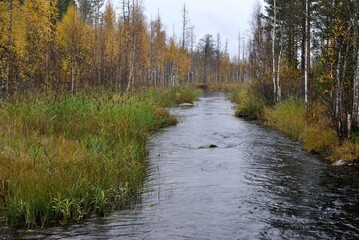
226 17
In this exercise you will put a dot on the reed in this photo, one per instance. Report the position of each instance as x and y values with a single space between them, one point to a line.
67 158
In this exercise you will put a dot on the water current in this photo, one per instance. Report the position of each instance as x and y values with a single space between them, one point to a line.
257 184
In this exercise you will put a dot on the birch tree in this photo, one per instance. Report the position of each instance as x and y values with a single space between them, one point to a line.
356 66
72 37
307 54
273 50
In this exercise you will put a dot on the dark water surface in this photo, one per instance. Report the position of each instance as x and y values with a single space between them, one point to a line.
256 185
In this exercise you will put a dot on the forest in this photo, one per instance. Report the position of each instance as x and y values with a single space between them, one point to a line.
65 45
308 50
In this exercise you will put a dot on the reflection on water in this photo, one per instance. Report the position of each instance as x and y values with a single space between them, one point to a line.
256 185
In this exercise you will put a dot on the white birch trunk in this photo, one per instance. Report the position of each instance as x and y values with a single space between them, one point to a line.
307 55
349 127
355 116
273 51
356 92
339 90
131 72
72 75
279 88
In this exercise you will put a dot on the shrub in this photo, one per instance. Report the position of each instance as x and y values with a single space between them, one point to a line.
248 105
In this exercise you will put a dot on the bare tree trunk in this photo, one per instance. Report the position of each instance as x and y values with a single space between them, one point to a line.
356 93
243 62
279 88
307 56
72 74
273 51
185 27
98 40
339 98
131 71
338 90
355 116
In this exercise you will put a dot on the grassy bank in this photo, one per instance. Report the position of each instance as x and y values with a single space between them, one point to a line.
248 105
313 129
67 158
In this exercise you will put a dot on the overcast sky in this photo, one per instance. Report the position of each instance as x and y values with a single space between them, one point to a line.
226 17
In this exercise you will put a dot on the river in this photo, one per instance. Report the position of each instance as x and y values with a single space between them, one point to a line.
257 184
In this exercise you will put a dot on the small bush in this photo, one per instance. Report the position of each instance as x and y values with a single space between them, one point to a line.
248 105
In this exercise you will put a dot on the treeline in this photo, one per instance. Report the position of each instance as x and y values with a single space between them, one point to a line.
308 49
71 45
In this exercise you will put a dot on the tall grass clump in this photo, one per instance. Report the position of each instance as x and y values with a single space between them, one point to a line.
68 158
248 104
312 129
288 117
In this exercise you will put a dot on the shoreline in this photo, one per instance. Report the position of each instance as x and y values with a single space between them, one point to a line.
311 129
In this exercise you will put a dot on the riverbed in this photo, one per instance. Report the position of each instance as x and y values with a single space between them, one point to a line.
257 184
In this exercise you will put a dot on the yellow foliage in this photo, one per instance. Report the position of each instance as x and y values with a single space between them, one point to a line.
184 64
225 67
172 52
4 19
76 41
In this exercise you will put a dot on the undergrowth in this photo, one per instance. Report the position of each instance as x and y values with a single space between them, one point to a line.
313 129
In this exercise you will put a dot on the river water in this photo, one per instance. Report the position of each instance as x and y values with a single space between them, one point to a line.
256 185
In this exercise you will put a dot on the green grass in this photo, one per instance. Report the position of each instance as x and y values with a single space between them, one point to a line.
69 158
288 117
312 129
248 105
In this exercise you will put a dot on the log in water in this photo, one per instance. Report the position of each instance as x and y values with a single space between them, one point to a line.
256 184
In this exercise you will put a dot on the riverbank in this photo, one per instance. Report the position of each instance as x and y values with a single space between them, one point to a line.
314 129
69 157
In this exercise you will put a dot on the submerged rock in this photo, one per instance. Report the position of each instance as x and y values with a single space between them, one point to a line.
186 105
340 163
208 146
